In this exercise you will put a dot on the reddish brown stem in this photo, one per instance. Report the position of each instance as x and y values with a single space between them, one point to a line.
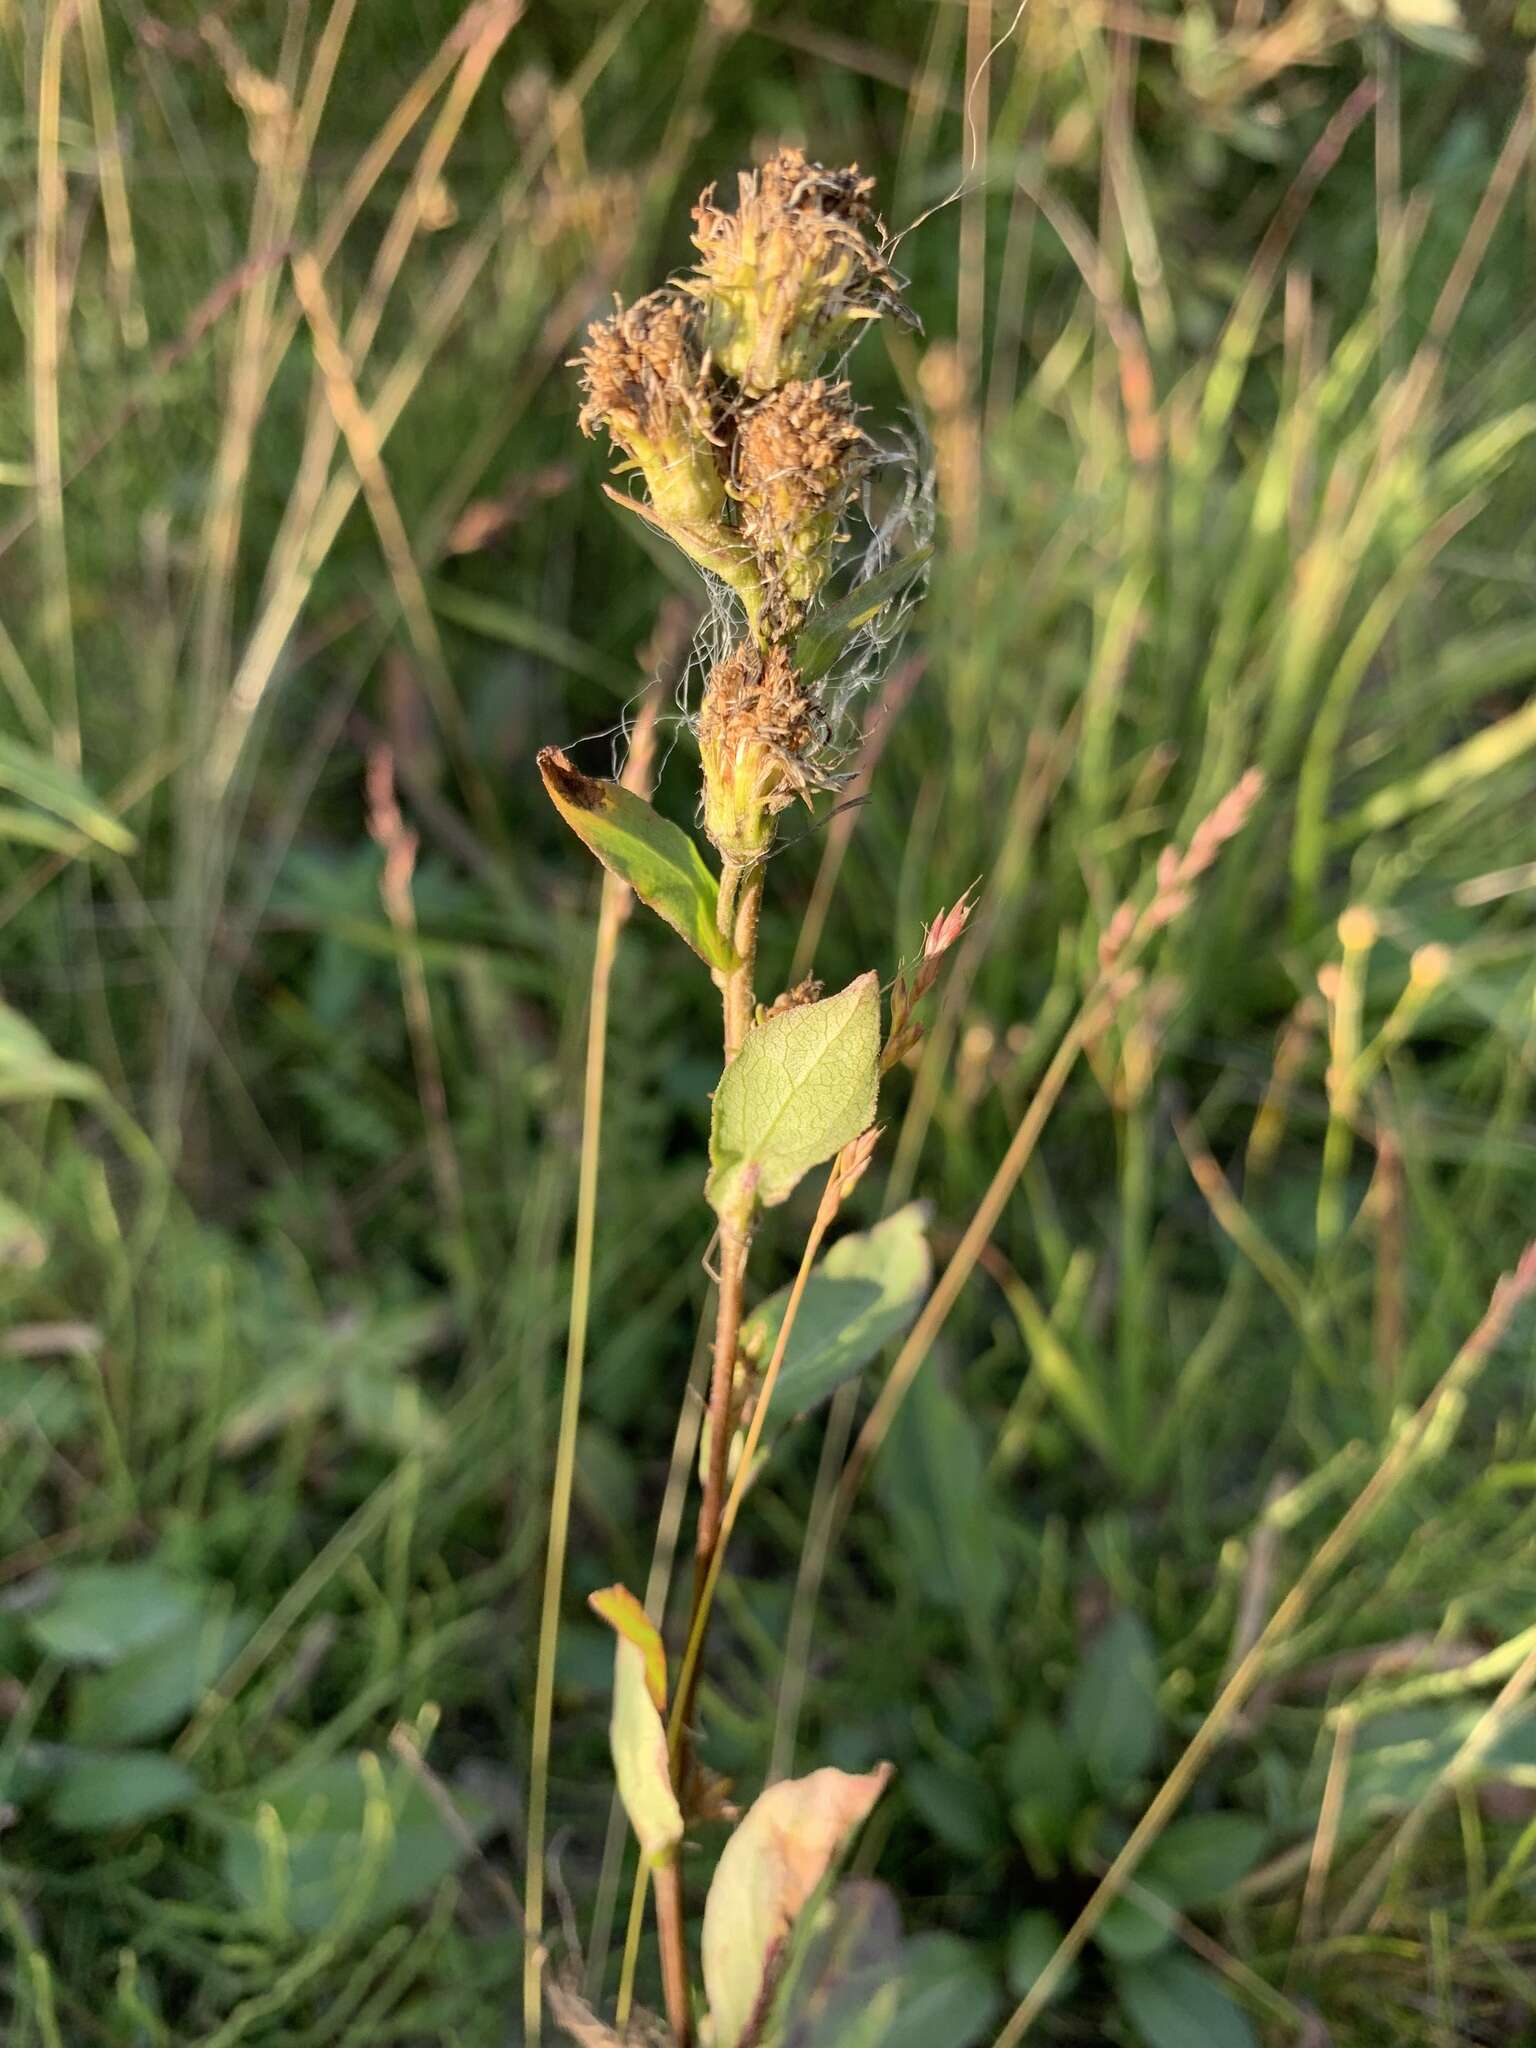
674 1953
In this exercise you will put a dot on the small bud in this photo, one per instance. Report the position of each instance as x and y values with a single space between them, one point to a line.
1115 936
852 1164
946 928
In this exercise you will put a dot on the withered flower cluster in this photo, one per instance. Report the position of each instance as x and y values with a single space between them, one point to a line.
713 390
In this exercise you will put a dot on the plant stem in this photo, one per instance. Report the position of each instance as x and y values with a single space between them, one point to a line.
831 1201
741 902
674 1952
730 1303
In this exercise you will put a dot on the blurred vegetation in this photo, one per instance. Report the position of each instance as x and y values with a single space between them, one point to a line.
1227 375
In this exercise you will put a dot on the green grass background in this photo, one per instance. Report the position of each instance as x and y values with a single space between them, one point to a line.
1227 380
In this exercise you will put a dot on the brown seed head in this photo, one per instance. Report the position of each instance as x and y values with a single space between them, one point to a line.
792 272
759 733
799 456
647 389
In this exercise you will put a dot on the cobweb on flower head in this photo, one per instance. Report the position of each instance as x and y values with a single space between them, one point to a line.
896 511
894 515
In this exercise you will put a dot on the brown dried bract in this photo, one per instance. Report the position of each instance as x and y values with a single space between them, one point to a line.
810 990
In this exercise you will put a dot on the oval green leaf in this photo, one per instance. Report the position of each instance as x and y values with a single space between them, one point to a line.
862 1294
1173 2002
1202 1856
101 1612
353 1838
119 1790
802 1086
1112 1706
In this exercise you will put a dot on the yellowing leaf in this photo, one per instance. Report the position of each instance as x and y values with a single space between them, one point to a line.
769 1869
802 1086
655 857
637 1733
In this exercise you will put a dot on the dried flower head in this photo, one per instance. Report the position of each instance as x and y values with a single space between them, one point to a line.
799 457
643 386
751 460
759 735
792 273
649 391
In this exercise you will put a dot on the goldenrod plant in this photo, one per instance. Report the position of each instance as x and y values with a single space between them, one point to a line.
724 392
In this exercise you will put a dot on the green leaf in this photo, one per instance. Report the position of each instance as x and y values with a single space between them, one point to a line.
119 1790
154 1689
1112 1705
828 631
390 1410
38 1399
768 1872
637 1732
948 1995
1044 1780
100 1612
355 1362
1202 1856
862 1294
1033 1939
932 1480
1131 1931
352 1836
960 1810
801 1087
52 787
655 857
1173 2003
29 1070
